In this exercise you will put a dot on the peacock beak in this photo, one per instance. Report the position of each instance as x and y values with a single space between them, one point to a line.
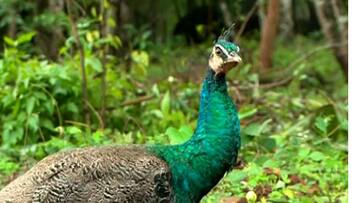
232 61
234 58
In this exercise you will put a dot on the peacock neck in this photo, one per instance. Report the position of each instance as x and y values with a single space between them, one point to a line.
198 164
213 86
218 131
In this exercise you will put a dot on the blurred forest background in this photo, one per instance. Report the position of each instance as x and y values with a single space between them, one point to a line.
87 72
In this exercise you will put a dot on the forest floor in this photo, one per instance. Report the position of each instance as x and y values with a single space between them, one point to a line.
293 120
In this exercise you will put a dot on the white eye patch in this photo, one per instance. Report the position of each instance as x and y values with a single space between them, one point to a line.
222 49
226 53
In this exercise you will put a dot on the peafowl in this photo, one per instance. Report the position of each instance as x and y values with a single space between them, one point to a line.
180 173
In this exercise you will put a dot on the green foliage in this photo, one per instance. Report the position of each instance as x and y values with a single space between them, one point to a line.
179 136
294 137
33 93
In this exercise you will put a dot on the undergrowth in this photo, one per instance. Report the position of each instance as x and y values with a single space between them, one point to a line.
294 135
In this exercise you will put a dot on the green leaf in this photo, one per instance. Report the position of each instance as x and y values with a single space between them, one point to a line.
98 137
285 176
165 103
268 143
280 184
236 176
155 90
9 41
40 96
141 62
7 100
307 169
94 63
72 107
178 136
186 131
303 153
173 135
157 113
289 193
22 116
19 133
33 122
322 124
271 163
317 156
260 161
247 112
73 130
8 167
275 195
344 124
45 122
49 106
25 37
344 199
253 129
30 105
256 129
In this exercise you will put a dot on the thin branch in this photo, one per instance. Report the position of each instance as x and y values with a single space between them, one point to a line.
226 14
82 61
54 101
290 67
337 13
276 83
137 100
333 130
136 123
132 102
103 55
312 52
100 121
41 134
328 23
26 130
84 12
77 123
247 19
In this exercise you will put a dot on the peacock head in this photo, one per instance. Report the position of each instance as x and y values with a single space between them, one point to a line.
224 56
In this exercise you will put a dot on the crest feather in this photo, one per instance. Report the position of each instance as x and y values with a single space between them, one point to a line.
227 33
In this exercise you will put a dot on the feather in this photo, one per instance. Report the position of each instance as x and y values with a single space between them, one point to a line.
95 174
227 33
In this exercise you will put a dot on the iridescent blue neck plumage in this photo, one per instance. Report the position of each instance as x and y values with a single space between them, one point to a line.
211 85
198 164
218 125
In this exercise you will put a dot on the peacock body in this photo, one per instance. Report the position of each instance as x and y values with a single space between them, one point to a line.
146 173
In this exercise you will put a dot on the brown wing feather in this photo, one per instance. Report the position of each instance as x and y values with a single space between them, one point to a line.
104 174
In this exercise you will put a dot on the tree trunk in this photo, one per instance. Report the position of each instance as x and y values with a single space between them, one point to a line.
76 36
342 20
105 30
57 37
269 32
286 22
226 13
331 17
247 18
11 32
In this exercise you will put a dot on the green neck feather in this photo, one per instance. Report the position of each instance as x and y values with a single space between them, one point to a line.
198 164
